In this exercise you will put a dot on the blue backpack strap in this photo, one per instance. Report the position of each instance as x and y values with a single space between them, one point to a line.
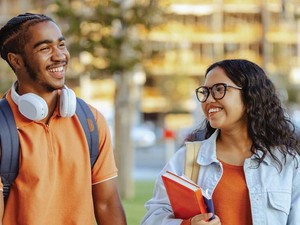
9 141
90 128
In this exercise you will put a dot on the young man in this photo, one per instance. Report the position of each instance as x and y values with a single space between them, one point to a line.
56 183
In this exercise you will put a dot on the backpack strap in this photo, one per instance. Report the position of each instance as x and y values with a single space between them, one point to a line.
9 142
192 168
90 128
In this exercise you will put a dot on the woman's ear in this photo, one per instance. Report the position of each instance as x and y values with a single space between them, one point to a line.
15 60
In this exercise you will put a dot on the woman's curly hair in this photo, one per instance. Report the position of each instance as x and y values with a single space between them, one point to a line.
268 123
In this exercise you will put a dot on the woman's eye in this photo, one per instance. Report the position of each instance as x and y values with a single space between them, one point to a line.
204 92
220 89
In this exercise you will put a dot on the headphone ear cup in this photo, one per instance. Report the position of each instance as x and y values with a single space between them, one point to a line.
30 105
33 106
67 104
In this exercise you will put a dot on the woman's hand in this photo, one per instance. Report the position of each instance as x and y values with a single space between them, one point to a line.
202 219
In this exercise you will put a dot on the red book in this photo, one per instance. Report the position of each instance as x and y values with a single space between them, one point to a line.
186 197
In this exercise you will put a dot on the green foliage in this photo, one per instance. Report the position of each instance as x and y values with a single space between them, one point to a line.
7 76
108 29
134 208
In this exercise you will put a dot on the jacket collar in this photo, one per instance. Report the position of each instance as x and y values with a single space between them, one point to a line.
208 155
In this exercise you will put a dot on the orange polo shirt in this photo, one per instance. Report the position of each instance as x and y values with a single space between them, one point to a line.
55 179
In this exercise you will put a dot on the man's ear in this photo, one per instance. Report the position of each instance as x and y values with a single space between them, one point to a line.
15 60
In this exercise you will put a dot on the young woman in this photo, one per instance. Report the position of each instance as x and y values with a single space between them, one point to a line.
249 162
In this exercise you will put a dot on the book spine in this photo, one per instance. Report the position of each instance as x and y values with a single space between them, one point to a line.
201 202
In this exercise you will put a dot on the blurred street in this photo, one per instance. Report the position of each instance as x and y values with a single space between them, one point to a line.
149 161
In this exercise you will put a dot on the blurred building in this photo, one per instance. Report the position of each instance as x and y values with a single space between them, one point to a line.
196 33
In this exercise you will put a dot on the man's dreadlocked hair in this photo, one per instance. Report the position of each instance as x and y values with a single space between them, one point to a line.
13 35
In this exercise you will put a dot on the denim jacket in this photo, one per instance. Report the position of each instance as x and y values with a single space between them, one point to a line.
274 194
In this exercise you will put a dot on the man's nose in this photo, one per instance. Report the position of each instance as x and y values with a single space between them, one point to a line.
58 54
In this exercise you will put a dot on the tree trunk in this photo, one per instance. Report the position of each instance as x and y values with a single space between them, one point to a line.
124 117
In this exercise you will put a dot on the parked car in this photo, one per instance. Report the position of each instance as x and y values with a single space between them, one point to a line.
143 136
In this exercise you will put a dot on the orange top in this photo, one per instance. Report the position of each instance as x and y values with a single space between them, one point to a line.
55 180
231 197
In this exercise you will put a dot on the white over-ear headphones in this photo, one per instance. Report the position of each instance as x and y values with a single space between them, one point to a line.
35 107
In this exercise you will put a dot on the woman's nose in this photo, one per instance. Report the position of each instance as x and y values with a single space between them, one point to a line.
210 98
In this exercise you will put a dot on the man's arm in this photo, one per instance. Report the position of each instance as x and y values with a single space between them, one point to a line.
1 197
1 206
107 204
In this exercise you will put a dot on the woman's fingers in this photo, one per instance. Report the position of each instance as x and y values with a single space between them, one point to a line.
203 219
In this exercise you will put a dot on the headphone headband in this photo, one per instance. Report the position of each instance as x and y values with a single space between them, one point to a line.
35 107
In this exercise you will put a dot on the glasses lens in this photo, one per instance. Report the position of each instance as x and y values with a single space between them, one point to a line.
202 93
218 91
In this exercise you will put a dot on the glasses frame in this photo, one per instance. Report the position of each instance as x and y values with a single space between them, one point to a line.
209 91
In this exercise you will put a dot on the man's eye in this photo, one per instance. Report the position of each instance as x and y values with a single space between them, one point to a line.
44 48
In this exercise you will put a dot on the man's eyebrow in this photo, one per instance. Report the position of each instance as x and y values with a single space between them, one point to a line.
47 42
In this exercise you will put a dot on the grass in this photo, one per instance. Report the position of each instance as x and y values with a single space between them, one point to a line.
134 208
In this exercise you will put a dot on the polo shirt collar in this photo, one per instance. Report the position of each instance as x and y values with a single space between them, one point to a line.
19 118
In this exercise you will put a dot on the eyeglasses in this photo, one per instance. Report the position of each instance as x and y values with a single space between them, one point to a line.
217 91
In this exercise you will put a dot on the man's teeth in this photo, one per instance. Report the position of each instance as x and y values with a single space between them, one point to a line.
214 110
56 70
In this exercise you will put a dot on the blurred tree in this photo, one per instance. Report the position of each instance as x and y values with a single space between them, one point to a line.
7 77
108 31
